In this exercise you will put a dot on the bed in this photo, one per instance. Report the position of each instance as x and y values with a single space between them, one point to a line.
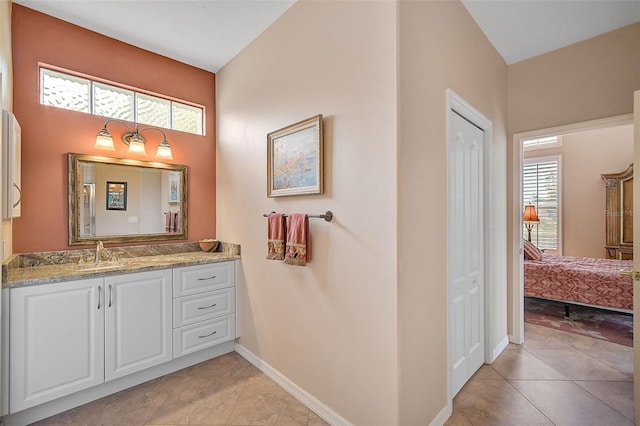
580 280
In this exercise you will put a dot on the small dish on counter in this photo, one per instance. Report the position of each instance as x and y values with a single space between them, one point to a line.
208 244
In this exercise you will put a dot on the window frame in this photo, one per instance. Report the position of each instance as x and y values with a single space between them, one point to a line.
93 80
542 159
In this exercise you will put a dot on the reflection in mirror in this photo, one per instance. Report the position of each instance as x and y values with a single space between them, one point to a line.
121 200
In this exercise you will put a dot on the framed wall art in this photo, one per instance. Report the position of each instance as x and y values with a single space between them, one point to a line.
116 195
294 159
174 187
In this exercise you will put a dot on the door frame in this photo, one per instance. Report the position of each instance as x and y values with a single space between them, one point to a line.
516 281
468 112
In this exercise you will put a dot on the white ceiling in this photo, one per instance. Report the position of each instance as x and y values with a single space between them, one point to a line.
521 29
209 33
204 33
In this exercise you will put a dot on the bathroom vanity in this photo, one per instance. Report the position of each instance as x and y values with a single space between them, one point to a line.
79 331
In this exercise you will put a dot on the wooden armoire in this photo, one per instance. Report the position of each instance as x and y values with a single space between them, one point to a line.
619 214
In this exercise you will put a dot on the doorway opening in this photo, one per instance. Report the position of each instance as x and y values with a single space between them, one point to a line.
584 246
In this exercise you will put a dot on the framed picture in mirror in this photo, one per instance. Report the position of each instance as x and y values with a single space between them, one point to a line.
116 195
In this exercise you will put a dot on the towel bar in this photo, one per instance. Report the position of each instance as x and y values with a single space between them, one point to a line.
328 215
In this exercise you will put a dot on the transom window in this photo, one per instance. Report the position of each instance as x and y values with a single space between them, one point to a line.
542 143
541 188
68 91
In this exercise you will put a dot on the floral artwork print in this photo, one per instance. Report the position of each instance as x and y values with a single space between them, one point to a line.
295 160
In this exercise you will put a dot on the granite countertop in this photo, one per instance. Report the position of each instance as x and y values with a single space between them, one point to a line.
19 273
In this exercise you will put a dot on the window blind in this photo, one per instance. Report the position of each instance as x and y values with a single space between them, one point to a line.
540 188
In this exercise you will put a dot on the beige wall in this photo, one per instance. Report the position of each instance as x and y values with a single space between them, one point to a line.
592 79
440 47
588 80
585 156
330 327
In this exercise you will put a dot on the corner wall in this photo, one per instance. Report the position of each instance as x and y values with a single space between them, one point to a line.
440 47
49 133
329 327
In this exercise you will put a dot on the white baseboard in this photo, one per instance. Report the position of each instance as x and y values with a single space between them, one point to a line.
442 416
497 350
300 394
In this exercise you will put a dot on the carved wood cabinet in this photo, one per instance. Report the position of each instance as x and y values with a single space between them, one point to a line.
619 214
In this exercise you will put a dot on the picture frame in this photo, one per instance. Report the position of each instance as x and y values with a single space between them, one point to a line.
295 159
116 195
174 187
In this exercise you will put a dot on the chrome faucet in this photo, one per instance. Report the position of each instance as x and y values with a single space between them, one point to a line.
99 248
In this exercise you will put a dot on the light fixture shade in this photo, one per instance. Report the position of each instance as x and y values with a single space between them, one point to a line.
104 140
164 150
530 215
136 145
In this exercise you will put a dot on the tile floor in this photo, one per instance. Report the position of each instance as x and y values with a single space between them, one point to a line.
227 390
555 378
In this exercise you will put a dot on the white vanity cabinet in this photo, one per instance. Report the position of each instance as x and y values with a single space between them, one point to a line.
70 336
203 307
56 341
75 341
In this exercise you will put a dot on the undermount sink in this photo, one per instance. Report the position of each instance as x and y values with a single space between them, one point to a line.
100 266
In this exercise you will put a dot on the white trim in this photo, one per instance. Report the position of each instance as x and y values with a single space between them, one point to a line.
300 394
466 110
497 350
441 418
517 277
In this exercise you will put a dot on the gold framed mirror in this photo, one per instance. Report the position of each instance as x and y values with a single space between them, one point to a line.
152 208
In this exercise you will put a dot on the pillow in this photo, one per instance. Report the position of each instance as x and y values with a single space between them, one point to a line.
531 252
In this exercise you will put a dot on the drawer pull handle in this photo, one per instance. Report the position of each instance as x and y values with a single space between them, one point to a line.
207 335
204 279
110 294
207 307
99 297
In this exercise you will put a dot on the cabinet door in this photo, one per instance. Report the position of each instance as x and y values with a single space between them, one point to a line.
138 332
57 341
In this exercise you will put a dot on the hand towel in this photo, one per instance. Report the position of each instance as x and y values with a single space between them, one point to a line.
275 236
167 221
176 224
298 249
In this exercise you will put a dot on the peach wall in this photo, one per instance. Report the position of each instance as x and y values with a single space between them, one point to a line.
585 156
588 80
330 327
441 47
49 133
6 102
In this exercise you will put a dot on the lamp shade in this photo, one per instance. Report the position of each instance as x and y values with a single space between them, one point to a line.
136 144
164 150
530 215
104 140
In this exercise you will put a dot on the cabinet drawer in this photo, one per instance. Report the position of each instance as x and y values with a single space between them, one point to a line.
195 337
199 307
200 278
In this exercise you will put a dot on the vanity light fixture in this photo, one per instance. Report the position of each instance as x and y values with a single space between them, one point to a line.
133 138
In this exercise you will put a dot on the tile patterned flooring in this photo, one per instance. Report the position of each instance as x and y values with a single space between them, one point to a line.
555 378
227 390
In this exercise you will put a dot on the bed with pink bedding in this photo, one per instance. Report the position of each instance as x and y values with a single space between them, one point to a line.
580 280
